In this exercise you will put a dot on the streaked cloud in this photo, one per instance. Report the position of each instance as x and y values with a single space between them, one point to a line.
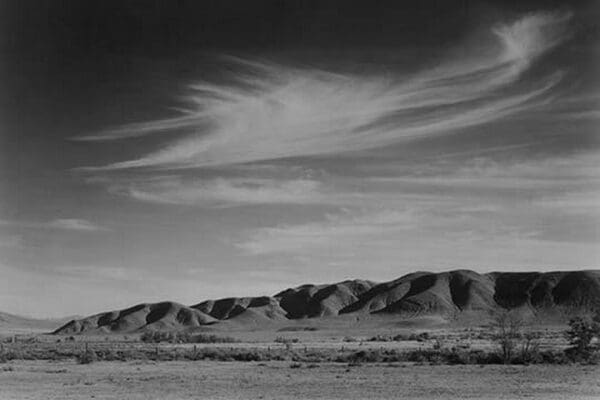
271 111
476 200
10 241
415 237
548 173
64 224
345 233
74 224
346 228
221 191
583 202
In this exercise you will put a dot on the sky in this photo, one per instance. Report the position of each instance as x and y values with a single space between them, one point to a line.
183 150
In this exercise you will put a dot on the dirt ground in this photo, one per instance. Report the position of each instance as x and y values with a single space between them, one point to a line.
284 380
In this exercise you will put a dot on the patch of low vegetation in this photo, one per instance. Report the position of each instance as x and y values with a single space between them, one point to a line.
204 338
583 330
184 337
513 345
519 347
401 337
87 357
451 356
298 329
285 340
309 356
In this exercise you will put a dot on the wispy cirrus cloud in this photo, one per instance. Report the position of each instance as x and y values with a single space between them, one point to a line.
390 230
10 241
454 237
74 224
451 204
222 192
554 174
272 111
346 229
65 224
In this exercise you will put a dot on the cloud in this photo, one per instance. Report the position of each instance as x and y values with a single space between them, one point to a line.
102 273
456 235
66 224
534 176
544 199
221 191
73 224
343 229
392 231
585 203
10 241
530 37
270 111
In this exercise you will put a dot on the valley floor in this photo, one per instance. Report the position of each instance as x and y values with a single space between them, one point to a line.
65 380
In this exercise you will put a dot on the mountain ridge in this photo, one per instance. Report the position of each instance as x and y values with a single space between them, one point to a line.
445 294
17 324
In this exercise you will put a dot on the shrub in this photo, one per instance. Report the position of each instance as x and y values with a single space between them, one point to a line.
551 357
438 344
283 339
247 356
87 357
361 356
155 337
298 328
421 337
183 337
380 338
288 342
400 337
582 331
203 338
418 356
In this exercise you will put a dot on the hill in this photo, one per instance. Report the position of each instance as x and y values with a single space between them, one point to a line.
157 316
14 324
448 295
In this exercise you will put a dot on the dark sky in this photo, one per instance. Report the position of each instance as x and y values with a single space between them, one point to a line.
182 150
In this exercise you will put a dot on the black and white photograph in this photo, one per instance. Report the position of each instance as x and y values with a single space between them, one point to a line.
299 199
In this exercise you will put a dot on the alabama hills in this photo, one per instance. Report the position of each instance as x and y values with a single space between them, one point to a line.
446 295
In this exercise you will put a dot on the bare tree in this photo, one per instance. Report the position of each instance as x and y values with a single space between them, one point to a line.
530 346
507 326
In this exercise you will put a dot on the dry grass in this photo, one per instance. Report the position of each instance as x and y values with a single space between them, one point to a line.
431 351
279 380
440 346
313 367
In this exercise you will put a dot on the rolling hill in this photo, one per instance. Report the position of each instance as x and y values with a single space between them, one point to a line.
448 295
14 324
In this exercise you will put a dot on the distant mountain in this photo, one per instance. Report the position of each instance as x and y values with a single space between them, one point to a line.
167 315
448 294
15 324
